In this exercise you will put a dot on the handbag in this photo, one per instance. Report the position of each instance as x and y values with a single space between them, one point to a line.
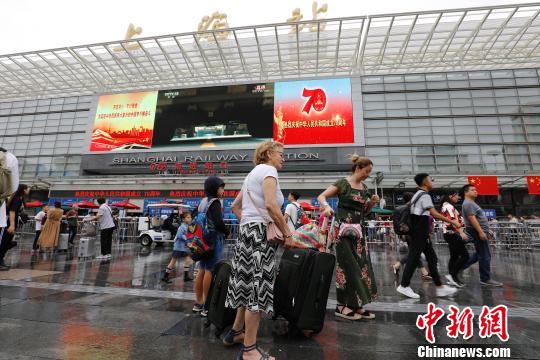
273 234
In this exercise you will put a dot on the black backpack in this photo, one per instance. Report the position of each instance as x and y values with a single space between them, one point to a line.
299 216
401 217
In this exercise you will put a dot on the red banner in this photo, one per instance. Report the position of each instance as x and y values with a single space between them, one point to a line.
534 185
485 185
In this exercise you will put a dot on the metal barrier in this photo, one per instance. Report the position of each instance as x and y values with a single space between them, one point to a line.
506 235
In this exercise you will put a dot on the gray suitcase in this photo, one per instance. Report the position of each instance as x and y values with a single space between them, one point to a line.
86 247
62 242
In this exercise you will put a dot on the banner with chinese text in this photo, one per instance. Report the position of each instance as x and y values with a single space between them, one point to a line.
313 112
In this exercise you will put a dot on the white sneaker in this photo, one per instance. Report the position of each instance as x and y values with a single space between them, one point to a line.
107 257
407 291
451 280
445 291
100 257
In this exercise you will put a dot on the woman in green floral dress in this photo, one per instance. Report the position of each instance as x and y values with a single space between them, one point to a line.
355 282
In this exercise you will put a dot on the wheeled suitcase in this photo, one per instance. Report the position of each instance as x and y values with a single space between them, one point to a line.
218 315
86 247
63 242
302 287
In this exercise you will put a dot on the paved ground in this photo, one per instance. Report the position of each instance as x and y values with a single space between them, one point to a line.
56 307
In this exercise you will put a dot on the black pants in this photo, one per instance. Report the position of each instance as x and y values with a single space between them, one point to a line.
106 241
458 253
420 243
36 238
72 234
5 243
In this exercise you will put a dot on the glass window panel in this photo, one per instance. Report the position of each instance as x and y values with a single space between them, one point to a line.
447 160
415 77
372 87
509 100
420 131
440 111
419 122
69 107
503 82
376 132
461 102
487 110
394 87
398 123
398 131
489 138
483 102
377 141
372 97
377 151
443 130
529 91
375 113
532 128
509 109
437 85
418 104
480 83
416 96
527 73
58 101
394 97
30 103
374 105
416 86
479 75
463 94
466 138
418 112
438 95
458 84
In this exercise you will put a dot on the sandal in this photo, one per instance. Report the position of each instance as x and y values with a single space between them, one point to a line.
228 339
264 355
350 315
365 314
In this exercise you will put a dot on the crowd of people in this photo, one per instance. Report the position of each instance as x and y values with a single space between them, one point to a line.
259 202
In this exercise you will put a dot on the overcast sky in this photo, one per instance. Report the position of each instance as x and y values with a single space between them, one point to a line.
29 25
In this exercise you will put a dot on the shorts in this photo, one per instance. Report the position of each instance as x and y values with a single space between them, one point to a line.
210 264
177 254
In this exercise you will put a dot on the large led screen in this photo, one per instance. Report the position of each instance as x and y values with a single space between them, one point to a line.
313 112
124 121
214 117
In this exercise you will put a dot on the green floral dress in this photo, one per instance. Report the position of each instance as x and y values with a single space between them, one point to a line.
355 282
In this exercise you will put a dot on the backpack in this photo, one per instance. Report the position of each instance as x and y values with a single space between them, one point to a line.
301 217
401 217
5 179
198 236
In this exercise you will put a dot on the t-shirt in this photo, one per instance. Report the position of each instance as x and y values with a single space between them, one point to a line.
292 211
39 219
13 165
105 220
422 205
450 211
253 206
471 208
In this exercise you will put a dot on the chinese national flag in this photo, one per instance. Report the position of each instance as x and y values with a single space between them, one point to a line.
485 185
534 185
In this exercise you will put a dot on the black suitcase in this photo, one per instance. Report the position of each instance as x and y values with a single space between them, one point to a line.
302 287
218 315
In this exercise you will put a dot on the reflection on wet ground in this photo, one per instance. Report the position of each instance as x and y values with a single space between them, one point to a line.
56 307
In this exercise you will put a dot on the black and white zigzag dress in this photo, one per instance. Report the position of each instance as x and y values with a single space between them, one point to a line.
253 271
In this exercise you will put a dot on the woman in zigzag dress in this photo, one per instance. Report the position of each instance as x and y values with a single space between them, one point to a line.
253 268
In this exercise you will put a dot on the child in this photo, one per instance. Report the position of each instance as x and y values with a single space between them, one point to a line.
180 250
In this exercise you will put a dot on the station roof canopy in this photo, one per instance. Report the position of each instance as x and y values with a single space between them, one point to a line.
431 41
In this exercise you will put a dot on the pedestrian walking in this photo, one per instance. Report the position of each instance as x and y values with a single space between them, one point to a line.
214 188
293 211
9 167
477 226
355 281
396 267
456 239
14 206
180 250
72 217
421 209
251 285
106 225
48 239
39 220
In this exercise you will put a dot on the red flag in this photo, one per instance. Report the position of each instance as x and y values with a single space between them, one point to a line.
485 185
534 185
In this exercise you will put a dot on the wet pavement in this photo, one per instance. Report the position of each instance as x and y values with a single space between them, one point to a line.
57 307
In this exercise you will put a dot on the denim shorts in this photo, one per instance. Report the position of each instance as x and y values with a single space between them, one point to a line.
209 264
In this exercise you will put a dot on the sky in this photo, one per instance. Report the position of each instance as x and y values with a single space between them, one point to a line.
30 25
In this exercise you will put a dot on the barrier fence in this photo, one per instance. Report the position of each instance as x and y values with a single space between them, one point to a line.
504 234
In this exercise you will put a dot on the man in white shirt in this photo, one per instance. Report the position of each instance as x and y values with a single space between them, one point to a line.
39 223
421 209
292 210
106 226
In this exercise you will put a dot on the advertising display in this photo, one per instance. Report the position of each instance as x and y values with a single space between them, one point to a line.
313 112
124 121
214 117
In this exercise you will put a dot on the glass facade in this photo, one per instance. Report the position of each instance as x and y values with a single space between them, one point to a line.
456 122
46 135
